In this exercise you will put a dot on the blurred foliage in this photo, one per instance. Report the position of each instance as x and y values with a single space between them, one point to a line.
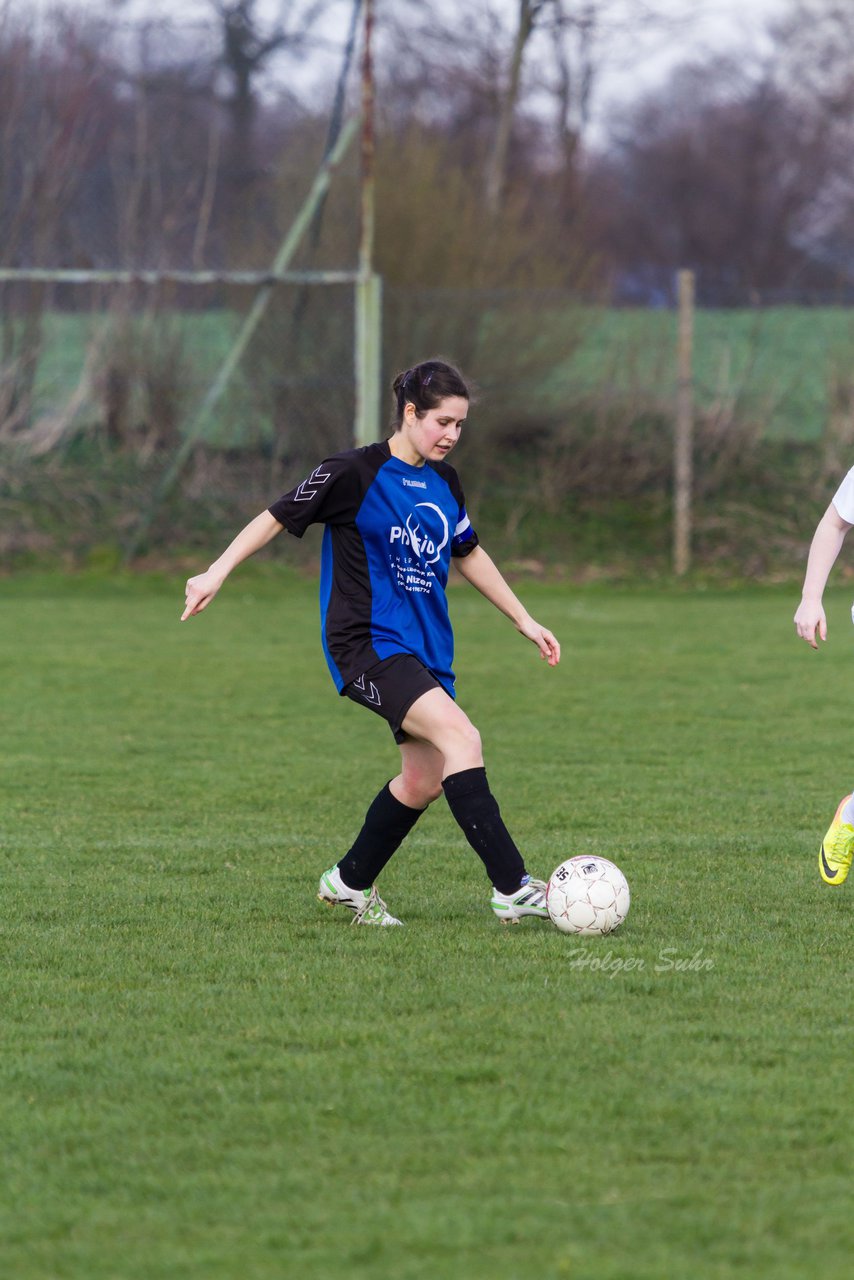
137 146
587 496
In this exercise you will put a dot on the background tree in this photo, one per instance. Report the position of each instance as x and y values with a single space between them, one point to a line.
246 51
496 168
55 120
814 67
720 171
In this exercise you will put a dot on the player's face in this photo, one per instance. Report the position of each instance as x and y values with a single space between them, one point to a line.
433 437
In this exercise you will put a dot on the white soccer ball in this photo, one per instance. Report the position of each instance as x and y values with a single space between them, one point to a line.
587 895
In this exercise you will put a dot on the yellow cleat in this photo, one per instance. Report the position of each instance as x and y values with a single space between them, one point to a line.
837 848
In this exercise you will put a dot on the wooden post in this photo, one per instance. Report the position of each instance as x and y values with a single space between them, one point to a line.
683 443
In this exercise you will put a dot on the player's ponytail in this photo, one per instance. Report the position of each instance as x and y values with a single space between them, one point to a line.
424 386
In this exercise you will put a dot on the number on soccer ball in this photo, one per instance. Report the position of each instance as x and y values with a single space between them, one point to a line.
587 895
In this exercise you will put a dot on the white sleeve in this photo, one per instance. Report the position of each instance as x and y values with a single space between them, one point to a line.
843 499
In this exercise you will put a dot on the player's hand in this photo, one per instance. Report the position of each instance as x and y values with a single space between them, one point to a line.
810 619
543 639
199 593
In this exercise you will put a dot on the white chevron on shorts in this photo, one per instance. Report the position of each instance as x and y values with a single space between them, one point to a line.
371 696
306 492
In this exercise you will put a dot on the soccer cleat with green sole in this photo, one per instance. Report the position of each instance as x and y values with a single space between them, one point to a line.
528 900
367 906
837 848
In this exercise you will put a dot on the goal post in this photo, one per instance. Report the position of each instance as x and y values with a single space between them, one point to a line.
368 361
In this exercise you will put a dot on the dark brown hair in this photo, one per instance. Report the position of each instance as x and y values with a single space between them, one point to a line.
425 385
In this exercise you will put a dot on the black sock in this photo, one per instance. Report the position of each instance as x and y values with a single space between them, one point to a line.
476 810
386 825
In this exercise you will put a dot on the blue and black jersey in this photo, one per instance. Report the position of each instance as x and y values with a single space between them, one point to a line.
391 530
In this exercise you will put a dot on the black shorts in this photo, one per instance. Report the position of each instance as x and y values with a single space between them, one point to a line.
391 687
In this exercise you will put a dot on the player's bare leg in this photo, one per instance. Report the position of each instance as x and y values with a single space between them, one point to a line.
435 720
419 782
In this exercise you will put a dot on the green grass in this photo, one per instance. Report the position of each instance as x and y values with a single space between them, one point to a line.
205 1074
776 366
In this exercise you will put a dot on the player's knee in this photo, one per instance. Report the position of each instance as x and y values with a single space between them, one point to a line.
467 740
430 791
420 789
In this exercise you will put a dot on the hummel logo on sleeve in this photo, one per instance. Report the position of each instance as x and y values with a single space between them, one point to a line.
308 489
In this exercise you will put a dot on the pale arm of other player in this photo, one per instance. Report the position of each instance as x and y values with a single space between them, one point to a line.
202 589
825 547
481 571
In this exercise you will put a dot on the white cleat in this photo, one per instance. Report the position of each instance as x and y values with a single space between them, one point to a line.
367 906
528 900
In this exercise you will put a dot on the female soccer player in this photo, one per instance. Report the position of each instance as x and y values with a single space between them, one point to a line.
394 515
837 848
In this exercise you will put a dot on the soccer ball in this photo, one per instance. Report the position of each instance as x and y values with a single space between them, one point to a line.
587 895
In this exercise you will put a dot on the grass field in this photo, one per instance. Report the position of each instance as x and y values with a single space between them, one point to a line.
207 1075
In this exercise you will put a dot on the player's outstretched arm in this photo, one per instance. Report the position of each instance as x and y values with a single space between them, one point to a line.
202 589
481 571
827 542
